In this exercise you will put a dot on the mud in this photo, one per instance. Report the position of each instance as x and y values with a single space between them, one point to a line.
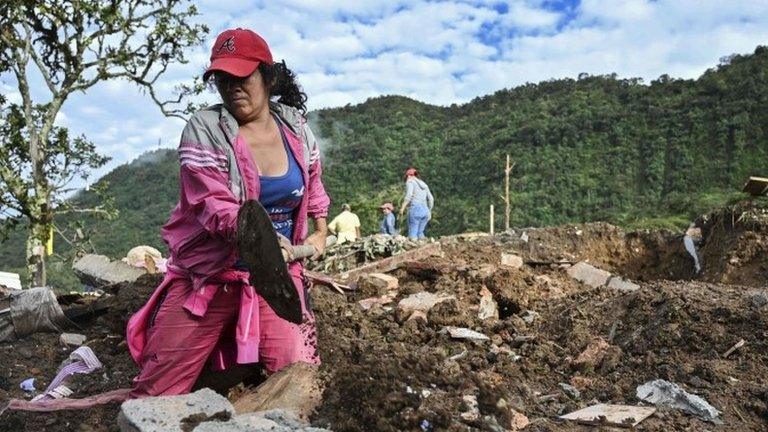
385 372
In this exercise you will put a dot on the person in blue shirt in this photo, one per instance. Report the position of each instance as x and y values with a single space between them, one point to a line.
388 222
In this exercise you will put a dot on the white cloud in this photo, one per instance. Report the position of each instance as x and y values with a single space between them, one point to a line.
346 51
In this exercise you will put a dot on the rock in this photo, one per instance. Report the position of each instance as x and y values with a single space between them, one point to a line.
620 284
98 270
530 316
422 302
73 339
570 390
588 274
373 301
488 306
592 355
165 413
759 299
261 421
378 284
465 333
581 383
668 394
483 272
511 260
517 420
295 388
473 412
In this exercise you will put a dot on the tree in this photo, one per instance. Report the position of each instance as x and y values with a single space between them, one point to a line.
73 45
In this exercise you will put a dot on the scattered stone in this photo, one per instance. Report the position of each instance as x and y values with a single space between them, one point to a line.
759 299
73 339
570 390
166 413
581 383
511 260
261 421
588 274
620 284
668 394
524 237
473 412
592 355
98 270
530 316
370 302
422 302
517 420
378 284
465 333
488 306
295 388
483 272
610 415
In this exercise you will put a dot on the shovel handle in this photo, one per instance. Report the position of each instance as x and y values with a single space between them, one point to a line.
306 251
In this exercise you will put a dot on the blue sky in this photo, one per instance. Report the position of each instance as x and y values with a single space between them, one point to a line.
439 52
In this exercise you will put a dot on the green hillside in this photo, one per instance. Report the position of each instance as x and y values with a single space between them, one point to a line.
591 148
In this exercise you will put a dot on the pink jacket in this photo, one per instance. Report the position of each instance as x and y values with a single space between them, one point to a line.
217 174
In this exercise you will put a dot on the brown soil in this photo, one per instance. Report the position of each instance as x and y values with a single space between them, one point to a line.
383 372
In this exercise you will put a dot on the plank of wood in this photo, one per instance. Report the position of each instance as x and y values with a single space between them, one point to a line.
393 262
610 415
756 186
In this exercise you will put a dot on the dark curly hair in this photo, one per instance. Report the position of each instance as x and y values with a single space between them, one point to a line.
282 84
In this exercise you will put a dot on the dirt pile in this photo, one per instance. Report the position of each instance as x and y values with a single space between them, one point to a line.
557 347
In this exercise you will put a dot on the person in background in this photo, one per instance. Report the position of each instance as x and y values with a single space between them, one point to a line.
346 225
388 222
419 202
691 239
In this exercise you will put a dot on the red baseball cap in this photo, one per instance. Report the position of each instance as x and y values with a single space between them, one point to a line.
238 52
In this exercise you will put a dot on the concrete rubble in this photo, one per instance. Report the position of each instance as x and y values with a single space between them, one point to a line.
595 278
511 260
73 339
170 413
488 307
98 271
588 274
420 302
668 394
205 411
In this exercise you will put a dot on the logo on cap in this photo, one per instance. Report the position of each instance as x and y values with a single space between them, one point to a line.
228 44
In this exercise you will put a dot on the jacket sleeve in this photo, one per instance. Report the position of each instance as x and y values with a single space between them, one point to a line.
430 199
319 201
204 188
409 190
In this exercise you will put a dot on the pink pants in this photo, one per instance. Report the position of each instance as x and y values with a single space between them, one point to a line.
179 344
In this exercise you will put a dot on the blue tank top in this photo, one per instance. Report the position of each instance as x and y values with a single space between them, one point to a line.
281 195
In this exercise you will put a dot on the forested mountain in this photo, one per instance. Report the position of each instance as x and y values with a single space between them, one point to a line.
591 148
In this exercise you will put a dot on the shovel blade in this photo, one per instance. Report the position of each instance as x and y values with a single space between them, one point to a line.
259 249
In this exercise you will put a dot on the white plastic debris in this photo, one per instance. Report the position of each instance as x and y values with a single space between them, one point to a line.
28 385
668 394
465 333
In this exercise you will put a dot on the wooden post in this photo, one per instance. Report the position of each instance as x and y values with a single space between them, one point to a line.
507 171
491 219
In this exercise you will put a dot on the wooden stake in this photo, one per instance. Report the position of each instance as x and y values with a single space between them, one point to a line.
507 171
491 219
738 345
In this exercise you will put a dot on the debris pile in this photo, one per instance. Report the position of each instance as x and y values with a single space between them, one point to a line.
486 332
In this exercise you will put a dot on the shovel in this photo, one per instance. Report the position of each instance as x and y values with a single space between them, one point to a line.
260 250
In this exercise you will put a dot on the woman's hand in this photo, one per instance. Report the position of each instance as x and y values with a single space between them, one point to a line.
317 239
